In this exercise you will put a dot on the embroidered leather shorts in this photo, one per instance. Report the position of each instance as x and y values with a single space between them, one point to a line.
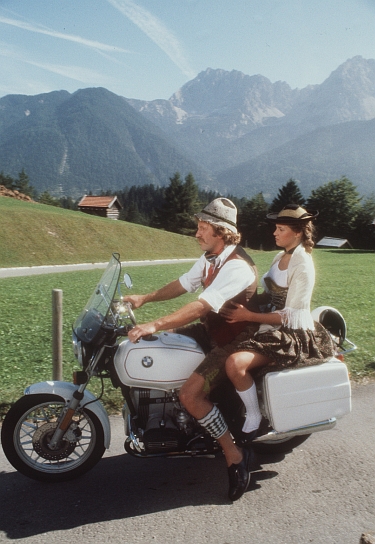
212 368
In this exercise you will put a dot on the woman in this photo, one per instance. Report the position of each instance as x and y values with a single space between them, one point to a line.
287 335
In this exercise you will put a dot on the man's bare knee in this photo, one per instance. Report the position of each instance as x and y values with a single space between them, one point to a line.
233 365
230 365
192 390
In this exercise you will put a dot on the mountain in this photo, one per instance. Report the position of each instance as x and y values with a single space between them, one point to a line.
238 127
236 133
216 109
323 155
91 140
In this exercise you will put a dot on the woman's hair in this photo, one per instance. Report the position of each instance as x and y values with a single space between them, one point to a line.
227 235
308 233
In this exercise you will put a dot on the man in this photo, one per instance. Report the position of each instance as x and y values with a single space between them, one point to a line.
227 274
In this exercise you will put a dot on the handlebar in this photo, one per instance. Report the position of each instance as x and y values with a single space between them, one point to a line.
131 315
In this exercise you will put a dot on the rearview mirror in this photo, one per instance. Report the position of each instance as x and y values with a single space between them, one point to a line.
128 281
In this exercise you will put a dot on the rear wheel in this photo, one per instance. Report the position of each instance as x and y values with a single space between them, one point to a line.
28 428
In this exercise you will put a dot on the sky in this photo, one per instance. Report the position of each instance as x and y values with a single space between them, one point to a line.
148 49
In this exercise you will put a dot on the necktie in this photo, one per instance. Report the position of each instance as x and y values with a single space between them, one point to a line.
209 276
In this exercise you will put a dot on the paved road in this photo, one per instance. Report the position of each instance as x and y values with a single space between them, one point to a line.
34 270
323 493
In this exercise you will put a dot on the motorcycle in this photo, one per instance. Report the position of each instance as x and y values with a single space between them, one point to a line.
58 430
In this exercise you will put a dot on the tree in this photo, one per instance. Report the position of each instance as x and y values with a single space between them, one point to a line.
68 203
46 198
364 227
288 194
338 203
140 202
133 215
23 184
181 202
7 181
253 225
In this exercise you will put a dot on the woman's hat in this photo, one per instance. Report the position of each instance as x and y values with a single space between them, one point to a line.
292 213
220 211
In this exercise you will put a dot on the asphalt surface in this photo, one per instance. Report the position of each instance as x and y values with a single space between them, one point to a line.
321 492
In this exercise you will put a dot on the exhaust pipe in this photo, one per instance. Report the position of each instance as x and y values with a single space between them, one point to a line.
274 436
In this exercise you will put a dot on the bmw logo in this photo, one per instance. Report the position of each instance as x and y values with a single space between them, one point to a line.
147 361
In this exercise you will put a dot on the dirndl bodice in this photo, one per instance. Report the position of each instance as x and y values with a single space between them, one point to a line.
276 296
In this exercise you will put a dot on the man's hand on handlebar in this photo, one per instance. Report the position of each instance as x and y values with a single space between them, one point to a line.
136 300
141 330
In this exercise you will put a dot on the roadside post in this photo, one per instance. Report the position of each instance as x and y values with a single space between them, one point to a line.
57 374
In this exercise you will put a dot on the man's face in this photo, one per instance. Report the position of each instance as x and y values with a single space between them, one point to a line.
208 239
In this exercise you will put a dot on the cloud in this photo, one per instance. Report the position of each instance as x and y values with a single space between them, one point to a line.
83 75
78 73
60 35
156 31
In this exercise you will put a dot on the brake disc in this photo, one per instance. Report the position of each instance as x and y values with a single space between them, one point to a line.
42 438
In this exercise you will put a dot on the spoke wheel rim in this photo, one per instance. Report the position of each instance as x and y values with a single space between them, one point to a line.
36 427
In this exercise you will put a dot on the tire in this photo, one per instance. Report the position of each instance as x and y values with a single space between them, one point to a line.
280 446
29 425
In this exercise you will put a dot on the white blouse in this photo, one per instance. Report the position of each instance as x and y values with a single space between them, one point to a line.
300 283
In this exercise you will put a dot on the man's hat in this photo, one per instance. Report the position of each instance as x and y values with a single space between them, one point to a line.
292 213
220 211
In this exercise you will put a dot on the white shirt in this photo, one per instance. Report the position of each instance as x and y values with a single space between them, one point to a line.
280 277
233 278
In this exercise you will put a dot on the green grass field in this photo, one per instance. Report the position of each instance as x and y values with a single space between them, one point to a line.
344 280
36 234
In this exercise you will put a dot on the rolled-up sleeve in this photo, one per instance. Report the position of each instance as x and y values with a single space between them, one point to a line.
233 278
192 280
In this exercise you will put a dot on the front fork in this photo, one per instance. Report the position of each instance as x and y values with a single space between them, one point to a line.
70 409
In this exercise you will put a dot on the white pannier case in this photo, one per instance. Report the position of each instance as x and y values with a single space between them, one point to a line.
306 396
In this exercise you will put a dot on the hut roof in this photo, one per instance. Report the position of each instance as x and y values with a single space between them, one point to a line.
90 201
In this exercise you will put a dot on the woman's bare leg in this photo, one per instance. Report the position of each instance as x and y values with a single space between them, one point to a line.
238 366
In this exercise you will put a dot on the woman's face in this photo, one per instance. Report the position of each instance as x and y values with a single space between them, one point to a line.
286 237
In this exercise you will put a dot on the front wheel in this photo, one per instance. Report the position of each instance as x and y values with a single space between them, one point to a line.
28 428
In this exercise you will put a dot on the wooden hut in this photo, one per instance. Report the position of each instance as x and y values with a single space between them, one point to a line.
338 243
102 206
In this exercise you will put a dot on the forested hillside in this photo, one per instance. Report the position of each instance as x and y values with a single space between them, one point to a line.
92 140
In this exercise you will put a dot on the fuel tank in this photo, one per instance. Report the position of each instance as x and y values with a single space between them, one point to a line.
164 361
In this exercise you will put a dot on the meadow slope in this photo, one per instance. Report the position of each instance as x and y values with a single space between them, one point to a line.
35 234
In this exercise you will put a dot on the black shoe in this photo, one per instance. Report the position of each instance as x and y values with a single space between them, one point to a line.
239 477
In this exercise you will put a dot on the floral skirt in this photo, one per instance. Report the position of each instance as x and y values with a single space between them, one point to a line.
290 348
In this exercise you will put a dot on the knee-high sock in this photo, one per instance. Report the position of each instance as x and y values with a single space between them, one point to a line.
214 423
253 415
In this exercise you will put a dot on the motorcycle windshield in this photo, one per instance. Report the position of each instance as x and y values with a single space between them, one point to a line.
89 322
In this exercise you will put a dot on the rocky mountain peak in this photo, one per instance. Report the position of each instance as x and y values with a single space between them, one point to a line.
348 94
215 91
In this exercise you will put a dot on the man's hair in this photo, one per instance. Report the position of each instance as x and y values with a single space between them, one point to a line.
227 235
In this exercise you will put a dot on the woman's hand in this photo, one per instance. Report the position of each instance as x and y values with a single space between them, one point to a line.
236 313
